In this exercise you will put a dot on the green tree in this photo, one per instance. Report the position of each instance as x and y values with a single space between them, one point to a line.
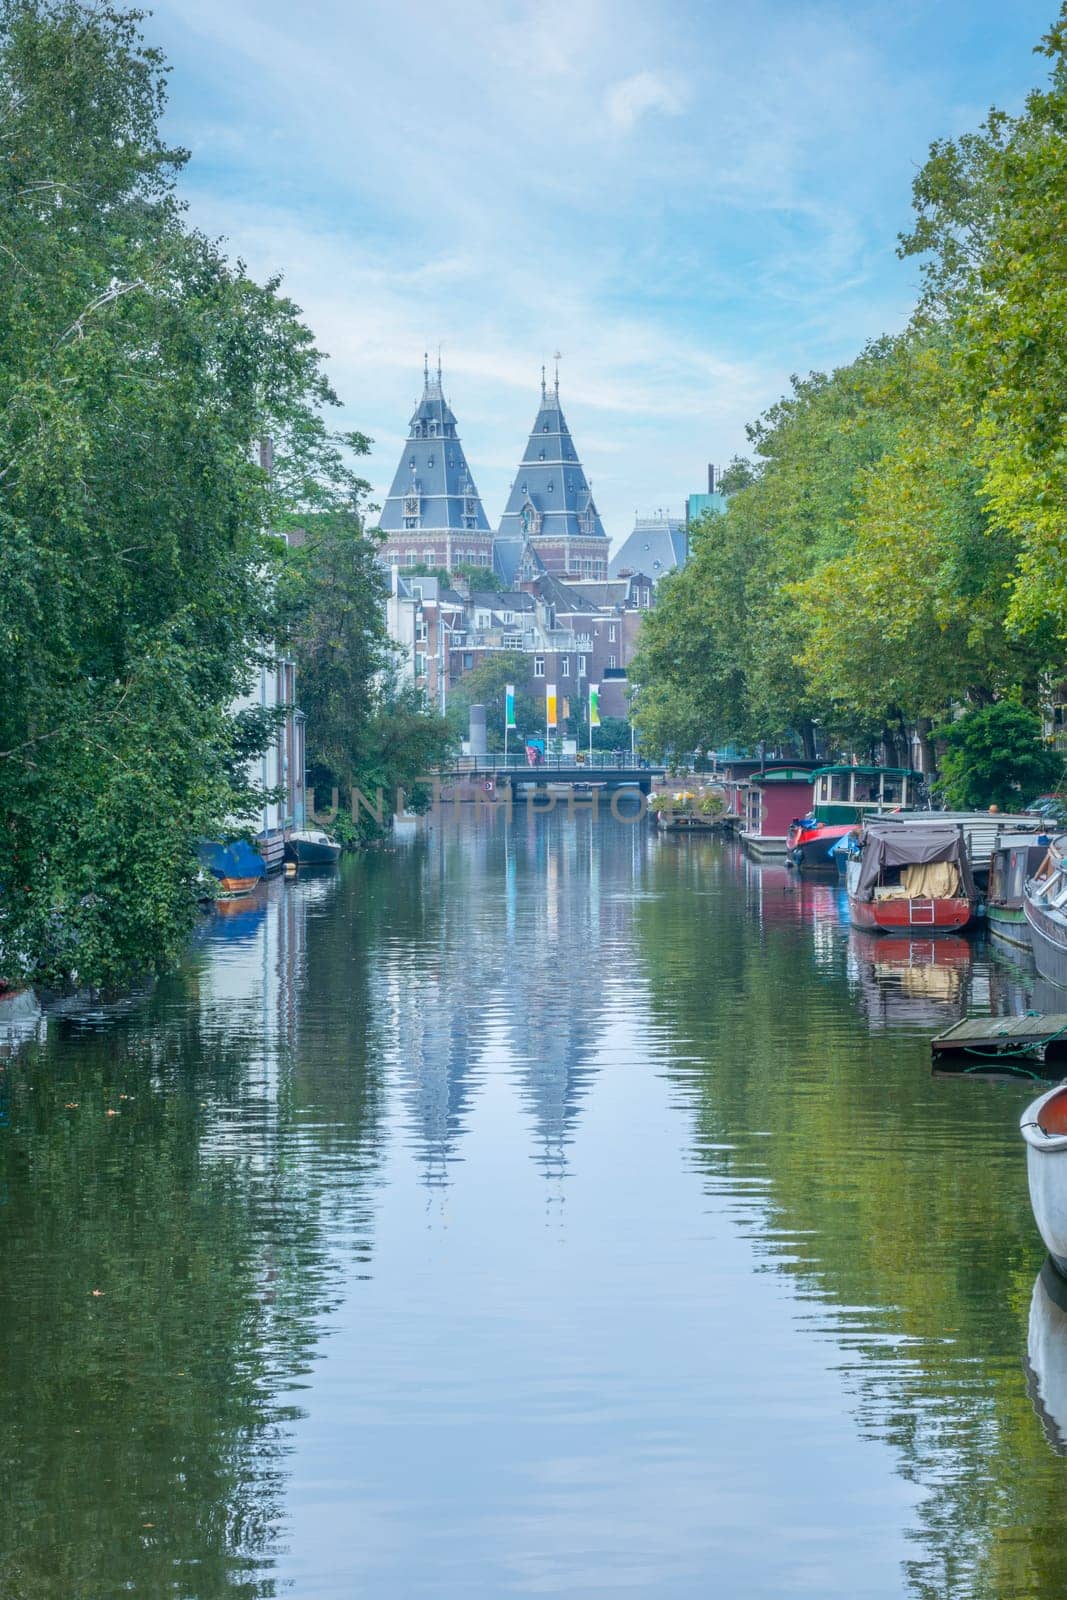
485 685
138 370
996 755
365 730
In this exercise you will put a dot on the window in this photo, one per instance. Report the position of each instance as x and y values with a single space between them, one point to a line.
509 618
523 489
612 662
411 522
470 522
539 666
420 632
565 667
420 664
541 457
582 666
612 633
430 462
468 661
412 558
551 486
430 556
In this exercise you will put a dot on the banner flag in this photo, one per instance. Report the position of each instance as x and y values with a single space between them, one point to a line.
509 705
551 716
594 705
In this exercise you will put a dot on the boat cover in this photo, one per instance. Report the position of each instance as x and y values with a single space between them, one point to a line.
234 860
888 845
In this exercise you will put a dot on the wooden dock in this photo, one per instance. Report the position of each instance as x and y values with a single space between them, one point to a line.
1035 1036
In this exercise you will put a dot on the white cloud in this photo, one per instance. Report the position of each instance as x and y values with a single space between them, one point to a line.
627 101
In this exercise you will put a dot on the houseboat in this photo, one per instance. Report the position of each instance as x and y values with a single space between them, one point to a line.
1013 860
842 797
1045 905
914 877
773 799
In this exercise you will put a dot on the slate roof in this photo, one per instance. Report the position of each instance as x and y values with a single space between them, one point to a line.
509 556
550 497
433 473
657 546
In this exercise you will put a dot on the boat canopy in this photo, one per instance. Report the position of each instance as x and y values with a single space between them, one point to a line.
886 844
234 860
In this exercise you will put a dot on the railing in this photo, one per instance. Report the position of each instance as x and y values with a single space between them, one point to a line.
602 761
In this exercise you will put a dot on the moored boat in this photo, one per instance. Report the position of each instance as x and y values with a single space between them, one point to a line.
311 847
905 878
236 867
1011 863
1045 905
842 797
1043 1126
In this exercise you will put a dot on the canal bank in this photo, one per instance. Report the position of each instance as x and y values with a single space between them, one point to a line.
550 1205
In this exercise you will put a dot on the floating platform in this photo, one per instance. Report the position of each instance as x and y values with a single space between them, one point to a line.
1036 1036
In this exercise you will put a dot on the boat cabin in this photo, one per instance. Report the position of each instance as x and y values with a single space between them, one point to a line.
1010 865
845 793
775 798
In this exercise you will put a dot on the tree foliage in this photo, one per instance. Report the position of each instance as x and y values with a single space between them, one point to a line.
995 755
897 545
139 370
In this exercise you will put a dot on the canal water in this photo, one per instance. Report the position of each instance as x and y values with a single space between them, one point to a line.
544 1207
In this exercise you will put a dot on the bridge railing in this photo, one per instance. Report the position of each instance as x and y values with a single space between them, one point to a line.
601 761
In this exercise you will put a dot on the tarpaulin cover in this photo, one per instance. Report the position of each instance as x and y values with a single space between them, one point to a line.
234 860
887 844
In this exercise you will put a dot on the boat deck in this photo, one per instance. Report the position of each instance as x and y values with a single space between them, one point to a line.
983 1038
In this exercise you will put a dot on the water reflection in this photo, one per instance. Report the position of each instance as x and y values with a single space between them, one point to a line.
1046 1354
778 1275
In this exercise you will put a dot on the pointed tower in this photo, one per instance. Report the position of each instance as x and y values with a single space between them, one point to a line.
433 515
551 504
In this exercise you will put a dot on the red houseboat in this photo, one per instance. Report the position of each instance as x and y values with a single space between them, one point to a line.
911 877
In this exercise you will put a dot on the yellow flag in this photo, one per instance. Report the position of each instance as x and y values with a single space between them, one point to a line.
551 715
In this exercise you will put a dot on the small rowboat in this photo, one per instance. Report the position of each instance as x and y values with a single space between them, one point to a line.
1043 1126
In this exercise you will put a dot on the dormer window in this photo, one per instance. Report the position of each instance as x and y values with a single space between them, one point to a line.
430 462
545 428
416 433
470 506
541 457
551 486
523 490
433 430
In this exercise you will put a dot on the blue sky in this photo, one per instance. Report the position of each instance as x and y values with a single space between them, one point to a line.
689 200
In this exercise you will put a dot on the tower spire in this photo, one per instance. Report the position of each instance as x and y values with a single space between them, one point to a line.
544 390
426 368
556 358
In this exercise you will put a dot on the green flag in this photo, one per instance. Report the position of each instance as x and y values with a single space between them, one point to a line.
594 705
509 705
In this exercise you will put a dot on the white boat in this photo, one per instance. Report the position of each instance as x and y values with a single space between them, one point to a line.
1045 905
1043 1125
